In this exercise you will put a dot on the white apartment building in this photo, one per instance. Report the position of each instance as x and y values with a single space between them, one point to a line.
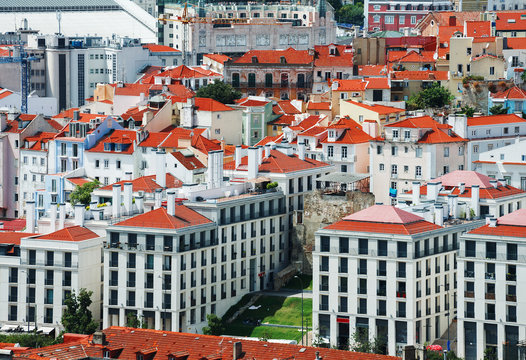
414 149
465 194
507 162
238 28
172 266
41 270
385 273
491 272
486 133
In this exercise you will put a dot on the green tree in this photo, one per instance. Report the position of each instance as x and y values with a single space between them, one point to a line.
523 76
76 317
498 110
360 342
468 111
133 321
351 14
435 96
220 91
215 325
82 194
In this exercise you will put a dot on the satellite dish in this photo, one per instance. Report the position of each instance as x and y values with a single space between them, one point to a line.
435 56
510 59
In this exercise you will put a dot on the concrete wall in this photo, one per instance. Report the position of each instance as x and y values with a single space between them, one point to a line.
321 210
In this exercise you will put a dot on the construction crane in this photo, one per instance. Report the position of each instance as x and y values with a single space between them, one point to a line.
186 19
25 73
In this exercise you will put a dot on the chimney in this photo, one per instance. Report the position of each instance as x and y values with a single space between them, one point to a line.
301 150
452 21
3 121
219 161
494 183
128 201
170 203
99 338
475 200
267 151
128 175
502 182
139 202
237 155
416 193
30 216
453 207
79 214
116 201
53 217
76 115
493 222
439 214
238 350
61 216
432 190
462 187
318 355
260 154
157 199
160 174
253 163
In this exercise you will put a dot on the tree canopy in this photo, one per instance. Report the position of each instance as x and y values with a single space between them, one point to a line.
77 317
435 96
351 14
498 110
82 194
219 91
215 325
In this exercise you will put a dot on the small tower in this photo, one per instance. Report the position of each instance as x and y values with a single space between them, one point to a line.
321 8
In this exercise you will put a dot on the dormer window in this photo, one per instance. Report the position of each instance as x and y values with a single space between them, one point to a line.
254 59
395 134
118 147
332 51
331 133
282 60
107 147
140 357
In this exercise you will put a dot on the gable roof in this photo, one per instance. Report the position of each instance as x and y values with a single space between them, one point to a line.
72 233
278 162
155 48
513 93
512 224
420 75
13 237
154 139
342 56
206 104
384 219
380 109
147 184
353 133
437 133
190 162
285 107
292 56
510 20
220 58
410 56
516 43
495 119
185 346
125 137
478 28
160 219
323 105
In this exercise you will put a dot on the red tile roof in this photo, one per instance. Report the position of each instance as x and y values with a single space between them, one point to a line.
285 107
251 102
478 28
309 122
469 178
511 93
185 72
513 224
438 133
40 138
380 109
159 219
419 122
384 219
270 139
14 225
510 20
136 113
5 93
411 56
278 162
313 131
154 139
495 120
203 144
220 58
284 120
124 137
353 133
159 48
11 237
324 105
372 70
291 56
148 183
72 233
420 75
205 104
445 33
131 341
484 39
189 162
79 180
342 55
361 84
516 43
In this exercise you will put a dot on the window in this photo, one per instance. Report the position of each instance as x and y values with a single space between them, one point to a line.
401 19
394 151
106 164
330 151
376 18
413 19
389 19
394 169
492 70
344 151
461 150
418 152
382 167
418 171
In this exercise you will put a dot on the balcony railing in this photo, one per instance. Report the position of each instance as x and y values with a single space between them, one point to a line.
469 294
401 294
512 298
490 296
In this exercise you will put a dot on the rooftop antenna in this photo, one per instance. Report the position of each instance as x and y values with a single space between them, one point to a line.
59 18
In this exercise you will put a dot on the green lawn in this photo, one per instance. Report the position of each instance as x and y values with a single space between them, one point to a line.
294 283
273 310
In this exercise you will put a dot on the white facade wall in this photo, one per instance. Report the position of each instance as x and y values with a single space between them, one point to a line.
33 167
112 173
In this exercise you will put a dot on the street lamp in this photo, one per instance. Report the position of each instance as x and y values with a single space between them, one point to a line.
301 283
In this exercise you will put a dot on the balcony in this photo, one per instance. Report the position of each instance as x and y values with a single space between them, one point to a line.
381 292
400 274
490 276
114 282
130 302
48 281
419 273
401 294
381 312
511 298
490 316
511 318
148 304
381 272
66 283
13 279
361 291
469 294
30 299
418 293
469 274
130 283
511 277
362 271
490 296
401 314
13 298
342 289
324 307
